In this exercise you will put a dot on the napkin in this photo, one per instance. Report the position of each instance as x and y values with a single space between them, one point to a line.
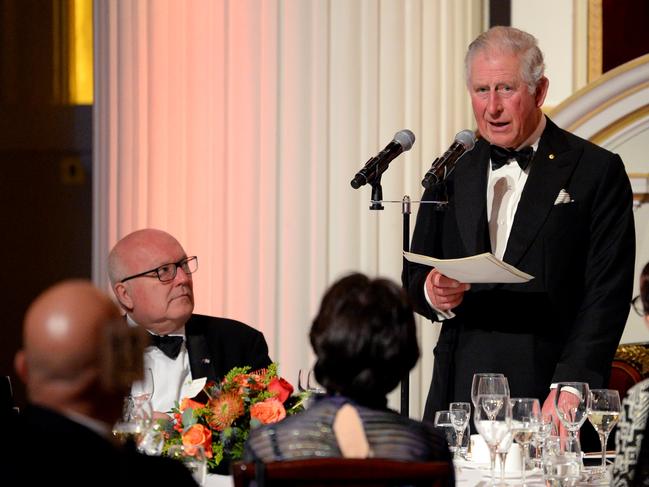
480 454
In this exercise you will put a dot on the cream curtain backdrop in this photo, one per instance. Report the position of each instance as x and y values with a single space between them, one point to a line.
237 126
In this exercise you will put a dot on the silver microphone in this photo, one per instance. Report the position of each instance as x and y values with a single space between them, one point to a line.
377 165
444 165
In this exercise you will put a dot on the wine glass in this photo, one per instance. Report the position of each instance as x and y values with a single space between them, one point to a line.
460 415
570 402
544 429
492 426
526 413
603 413
193 457
502 451
495 391
443 422
476 381
306 382
143 389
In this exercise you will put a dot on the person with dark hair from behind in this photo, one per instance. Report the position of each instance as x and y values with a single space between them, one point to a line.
77 360
631 466
365 341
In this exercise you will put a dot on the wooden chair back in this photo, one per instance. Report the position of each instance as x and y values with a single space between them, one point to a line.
321 472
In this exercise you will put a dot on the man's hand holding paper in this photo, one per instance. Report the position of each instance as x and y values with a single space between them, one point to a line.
443 292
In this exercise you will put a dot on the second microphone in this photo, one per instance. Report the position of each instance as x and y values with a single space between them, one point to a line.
443 165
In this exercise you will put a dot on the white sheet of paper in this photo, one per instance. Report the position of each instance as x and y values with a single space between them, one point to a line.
196 386
481 268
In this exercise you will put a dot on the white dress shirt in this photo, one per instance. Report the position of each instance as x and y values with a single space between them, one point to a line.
504 188
171 377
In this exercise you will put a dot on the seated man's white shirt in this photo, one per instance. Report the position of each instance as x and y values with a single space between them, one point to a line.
171 377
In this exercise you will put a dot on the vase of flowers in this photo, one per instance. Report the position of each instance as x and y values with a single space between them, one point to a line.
220 418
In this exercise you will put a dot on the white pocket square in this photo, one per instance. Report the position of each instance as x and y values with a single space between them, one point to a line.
563 197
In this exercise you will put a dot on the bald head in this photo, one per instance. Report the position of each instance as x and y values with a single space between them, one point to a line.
160 307
63 334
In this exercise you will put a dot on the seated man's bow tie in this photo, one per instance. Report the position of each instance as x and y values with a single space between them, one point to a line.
170 345
500 156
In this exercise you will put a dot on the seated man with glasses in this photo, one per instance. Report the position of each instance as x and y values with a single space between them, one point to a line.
151 276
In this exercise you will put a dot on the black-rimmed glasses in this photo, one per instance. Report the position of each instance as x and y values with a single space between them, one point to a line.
167 272
637 305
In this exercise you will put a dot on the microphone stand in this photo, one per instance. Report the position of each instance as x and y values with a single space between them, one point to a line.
376 203
405 381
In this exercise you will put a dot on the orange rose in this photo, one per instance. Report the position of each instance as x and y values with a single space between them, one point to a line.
268 411
198 435
252 381
281 388
190 403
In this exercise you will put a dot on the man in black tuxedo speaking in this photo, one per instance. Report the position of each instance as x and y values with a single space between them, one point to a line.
77 361
555 206
151 276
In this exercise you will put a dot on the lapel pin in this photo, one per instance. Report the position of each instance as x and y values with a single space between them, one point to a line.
205 360
551 156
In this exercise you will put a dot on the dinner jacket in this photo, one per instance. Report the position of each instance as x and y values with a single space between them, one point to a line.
42 447
216 345
564 324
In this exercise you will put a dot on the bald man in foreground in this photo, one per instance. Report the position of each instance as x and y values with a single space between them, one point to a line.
75 387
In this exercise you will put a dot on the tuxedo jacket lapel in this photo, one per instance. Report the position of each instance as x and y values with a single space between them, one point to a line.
551 169
471 199
200 360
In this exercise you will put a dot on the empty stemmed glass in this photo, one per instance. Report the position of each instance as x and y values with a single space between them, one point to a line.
494 388
603 413
306 383
502 451
570 402
498 385
142 390
460 416
544 429
492 426
526 413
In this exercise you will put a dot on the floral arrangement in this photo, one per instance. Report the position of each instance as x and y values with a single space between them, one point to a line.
222 422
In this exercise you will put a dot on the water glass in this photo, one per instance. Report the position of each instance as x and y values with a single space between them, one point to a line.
193 457
570 402
544 429
495 385
460 415
151 441
502 451
476 382
443 423
492 426
144 389
526 413
561 470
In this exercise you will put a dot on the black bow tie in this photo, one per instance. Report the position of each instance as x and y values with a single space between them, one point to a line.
500 156
170 345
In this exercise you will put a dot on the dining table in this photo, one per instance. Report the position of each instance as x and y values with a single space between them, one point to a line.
467 475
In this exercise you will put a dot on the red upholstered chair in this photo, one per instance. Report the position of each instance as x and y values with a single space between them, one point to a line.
630 366
330 472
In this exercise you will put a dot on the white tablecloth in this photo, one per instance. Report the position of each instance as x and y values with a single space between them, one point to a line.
219 481
467 477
